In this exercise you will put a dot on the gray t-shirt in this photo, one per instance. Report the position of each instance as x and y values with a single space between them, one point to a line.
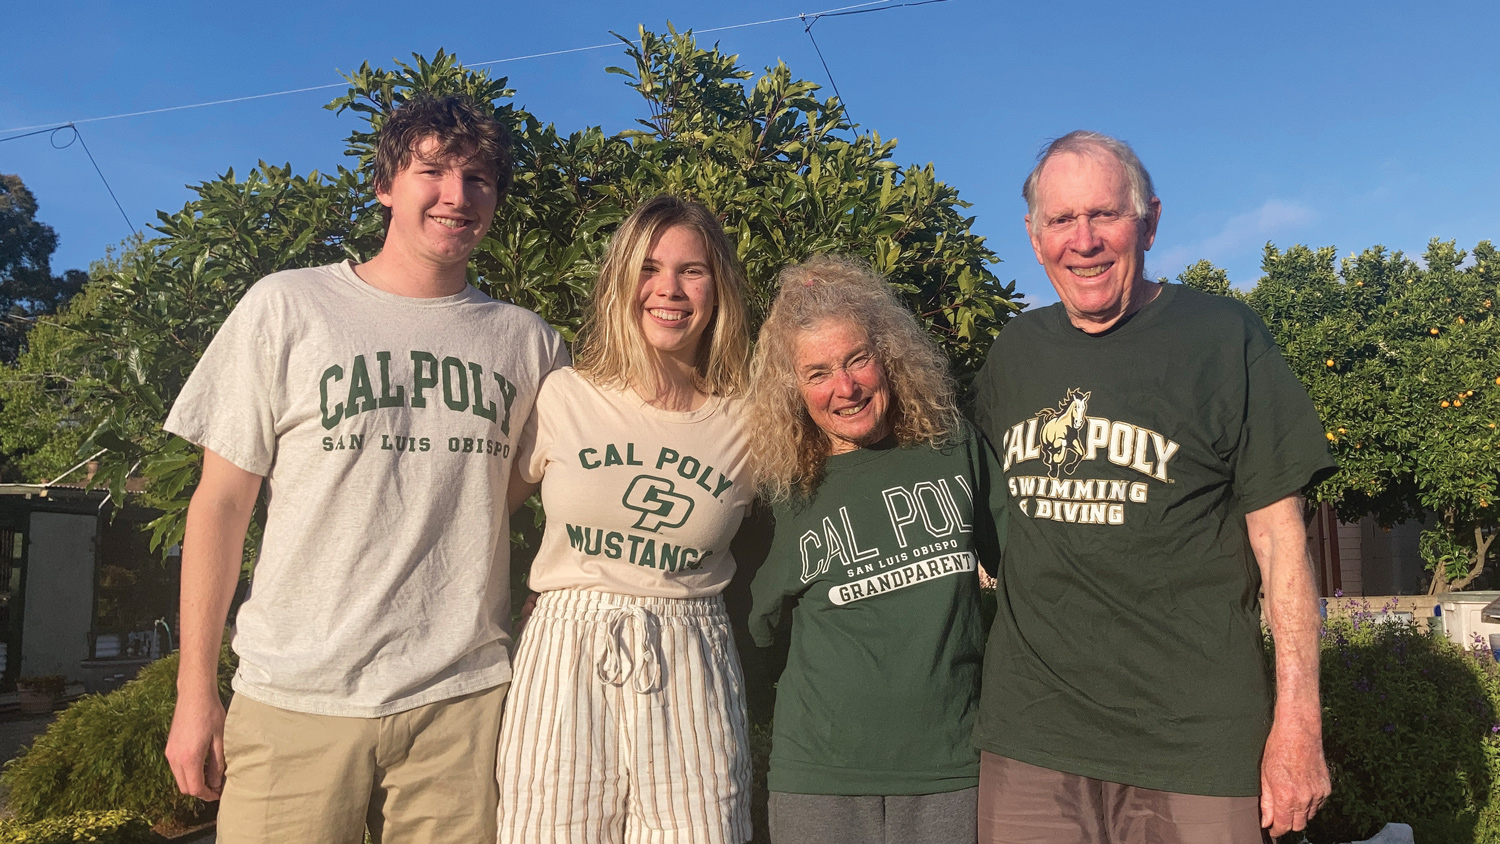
384 426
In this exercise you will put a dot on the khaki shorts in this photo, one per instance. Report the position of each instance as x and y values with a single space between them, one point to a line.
1024 804
423 775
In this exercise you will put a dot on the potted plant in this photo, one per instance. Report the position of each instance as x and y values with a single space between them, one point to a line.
39 695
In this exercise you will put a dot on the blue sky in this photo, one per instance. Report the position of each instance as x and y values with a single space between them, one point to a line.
1335 123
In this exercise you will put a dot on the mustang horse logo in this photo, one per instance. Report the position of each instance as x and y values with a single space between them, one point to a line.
1062 433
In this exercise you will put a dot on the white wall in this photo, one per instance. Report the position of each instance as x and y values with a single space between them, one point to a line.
59 594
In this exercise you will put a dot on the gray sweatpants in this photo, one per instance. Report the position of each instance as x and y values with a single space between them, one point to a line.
947 818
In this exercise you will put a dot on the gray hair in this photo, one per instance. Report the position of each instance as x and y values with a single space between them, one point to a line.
1084 142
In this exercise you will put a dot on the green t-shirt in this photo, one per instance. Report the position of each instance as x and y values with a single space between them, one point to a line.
1128 646
882 679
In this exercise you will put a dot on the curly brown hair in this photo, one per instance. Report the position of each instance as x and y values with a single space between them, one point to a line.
463 129
788 448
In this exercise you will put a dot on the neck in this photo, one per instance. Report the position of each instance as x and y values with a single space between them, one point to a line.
676 385
395 272
1141 294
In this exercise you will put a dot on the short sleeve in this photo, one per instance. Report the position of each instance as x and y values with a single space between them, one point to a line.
535 445
982 393
560 356
1282 448
227 405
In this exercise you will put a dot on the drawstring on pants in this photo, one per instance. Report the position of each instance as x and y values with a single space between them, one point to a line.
616 665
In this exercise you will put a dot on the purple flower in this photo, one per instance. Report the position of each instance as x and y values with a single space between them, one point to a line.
1390 728
1338 593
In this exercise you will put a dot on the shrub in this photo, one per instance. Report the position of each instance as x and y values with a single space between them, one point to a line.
1411 731
105 752
117 827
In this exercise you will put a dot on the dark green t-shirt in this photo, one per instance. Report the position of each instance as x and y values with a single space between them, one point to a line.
882 680
1127 646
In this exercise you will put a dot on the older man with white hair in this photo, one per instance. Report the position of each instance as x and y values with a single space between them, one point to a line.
1154 444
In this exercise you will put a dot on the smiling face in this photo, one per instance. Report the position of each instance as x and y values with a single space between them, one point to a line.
440 208
843 385
676 293
1089 239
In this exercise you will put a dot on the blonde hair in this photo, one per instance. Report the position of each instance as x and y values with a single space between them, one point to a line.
788 448
613 352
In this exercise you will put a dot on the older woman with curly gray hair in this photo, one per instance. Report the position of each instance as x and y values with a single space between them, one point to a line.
886 502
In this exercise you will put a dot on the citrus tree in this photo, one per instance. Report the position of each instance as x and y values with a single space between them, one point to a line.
784 169
1402 359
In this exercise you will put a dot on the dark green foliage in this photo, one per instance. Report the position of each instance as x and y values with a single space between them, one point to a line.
105 752
1411 729
116 827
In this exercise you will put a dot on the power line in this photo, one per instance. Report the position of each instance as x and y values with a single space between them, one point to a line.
840 10
78 136
857 8
811 18
176 108
87 152
84 144
852 10
807 19
37 132
808 29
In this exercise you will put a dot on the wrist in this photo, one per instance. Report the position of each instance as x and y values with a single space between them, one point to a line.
1300 718
197 686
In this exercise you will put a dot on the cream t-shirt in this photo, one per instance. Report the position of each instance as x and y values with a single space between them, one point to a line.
385 427
639 501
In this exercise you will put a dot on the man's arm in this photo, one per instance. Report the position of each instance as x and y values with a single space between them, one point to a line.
1293 775
212 548
518 489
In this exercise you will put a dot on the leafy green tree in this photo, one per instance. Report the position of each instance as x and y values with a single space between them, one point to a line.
786 172
1208 278
1403 363
41 422
28 288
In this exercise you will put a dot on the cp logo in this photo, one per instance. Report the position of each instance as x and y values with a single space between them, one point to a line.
657 503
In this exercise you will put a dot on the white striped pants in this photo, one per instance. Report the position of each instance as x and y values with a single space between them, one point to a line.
625 724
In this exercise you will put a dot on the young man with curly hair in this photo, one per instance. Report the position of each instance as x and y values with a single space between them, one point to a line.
377 402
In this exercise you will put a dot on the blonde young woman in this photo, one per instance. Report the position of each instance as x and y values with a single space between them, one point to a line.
626 715
885 503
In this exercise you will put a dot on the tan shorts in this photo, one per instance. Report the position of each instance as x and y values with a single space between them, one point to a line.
1024 804
423 775
626 725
